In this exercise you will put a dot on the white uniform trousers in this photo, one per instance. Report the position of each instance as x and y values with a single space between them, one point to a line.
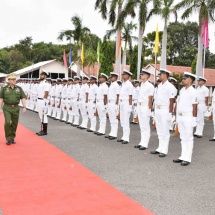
84 114
200 119
162 127
31 104
125 114
102 116
35 104
64 109
144 122
134 110
42 110
50 108
69 105
186 135
91 111
57 102
113 110
75 110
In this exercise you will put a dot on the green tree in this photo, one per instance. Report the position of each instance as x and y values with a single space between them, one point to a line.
4 61
164 8
114 11
206 11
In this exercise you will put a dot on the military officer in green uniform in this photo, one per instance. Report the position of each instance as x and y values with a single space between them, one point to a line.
10 96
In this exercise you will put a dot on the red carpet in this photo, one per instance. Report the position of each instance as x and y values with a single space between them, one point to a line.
37 178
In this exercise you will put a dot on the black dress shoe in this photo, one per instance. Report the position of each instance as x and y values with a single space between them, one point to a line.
132 122
177 161
199 136
155 152
42 133
89 130
112 138
95 132
82 128
38 132
212 139
75 125
125 142
67 122
185 163
137 146
8 142
162 155
13 142
107 136
142 148
120 140
99 134
194 135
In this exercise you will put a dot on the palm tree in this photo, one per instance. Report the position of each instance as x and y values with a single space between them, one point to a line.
78 34
164 8
114 6
127 37
206 11
129 9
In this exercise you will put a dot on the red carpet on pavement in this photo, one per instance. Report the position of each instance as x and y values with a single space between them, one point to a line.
36 178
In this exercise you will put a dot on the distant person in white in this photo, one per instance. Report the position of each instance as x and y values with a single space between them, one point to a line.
202 97
42 102
187 112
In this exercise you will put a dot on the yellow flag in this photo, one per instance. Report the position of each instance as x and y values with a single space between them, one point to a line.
82 53
156 49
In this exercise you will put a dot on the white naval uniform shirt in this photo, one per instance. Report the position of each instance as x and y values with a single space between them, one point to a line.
101 91
58 91
146 90
83 90
202 93
69 91
165 92
43 86
52 90
63 91
187 97
92 92
135 93
75 91
126 90
113 91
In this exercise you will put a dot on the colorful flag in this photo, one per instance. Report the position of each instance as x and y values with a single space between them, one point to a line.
119 45
64 58
205 36
70 56
156 48
82 53
98 52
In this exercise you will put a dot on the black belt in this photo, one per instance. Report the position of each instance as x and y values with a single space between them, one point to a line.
12 105
40 98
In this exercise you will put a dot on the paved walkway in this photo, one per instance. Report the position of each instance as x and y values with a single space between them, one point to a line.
157 183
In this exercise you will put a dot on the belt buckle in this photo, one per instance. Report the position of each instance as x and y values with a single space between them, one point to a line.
158 106
12 106
180 114
140 103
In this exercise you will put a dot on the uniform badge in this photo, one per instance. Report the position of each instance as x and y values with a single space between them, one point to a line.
17 90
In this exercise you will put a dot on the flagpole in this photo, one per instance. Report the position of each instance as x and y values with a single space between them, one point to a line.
155 68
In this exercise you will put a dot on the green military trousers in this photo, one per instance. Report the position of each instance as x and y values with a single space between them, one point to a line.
11 115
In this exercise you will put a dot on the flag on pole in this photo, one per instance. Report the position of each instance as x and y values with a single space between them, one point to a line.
98 52
70 56
82 54
156 48
119 45
205 36
64 58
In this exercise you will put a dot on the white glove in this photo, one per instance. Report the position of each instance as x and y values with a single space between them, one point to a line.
149 113
194 123
169 117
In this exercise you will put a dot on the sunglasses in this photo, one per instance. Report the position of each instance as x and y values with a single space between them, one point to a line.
13 79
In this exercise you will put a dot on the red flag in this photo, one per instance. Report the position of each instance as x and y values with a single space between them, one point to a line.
205 36
64 58
119 45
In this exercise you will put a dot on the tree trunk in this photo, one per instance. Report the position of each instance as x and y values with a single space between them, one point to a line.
124 60
164 45
199 63
118 36
140 47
